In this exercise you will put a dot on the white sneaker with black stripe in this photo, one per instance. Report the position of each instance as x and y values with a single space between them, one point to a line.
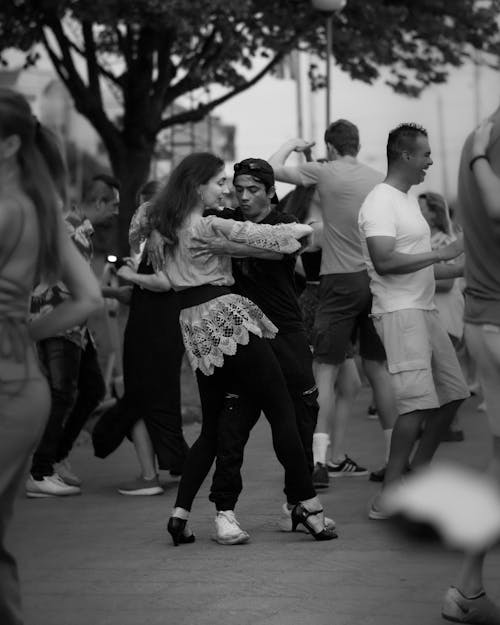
346 468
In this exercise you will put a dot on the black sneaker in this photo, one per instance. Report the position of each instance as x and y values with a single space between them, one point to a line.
453 436
378 475
320 476
347 468
372 412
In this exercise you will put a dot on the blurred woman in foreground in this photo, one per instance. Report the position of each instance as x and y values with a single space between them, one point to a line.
33 245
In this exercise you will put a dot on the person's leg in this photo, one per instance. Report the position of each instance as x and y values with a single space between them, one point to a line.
255 372
435 427
405 434
144 450
450 385
295 359
203 452
335 322
384 398
346 389
483 344
238 416
61 361
163 417
375 367
91 390
23 412
201 455
147 483
407 345
326 377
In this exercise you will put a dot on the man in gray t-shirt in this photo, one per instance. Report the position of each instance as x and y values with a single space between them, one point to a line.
344 306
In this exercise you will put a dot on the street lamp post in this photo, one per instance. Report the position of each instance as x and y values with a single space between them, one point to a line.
329 7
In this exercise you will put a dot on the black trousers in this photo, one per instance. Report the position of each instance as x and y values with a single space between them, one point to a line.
76 388
241 413
252 372
152 359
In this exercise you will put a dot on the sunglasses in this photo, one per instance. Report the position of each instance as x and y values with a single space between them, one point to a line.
253 167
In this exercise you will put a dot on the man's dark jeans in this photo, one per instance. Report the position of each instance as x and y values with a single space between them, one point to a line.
77 387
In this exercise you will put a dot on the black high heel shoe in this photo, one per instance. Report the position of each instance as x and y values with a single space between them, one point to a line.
176 529
300 514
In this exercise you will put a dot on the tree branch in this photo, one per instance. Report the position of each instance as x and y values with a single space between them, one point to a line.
200 112
166 68
102 70
92 64
83 97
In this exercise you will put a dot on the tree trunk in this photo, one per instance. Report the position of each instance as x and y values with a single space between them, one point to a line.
131 167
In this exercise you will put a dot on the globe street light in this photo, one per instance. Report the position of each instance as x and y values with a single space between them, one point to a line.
330 7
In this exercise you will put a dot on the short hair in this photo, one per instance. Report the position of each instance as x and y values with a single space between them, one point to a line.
111 181
258 169
148 190
344 136
100 188
402 139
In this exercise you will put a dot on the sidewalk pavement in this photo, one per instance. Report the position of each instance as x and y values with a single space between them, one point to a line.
105 559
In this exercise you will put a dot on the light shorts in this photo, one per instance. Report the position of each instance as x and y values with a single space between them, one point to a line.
421 359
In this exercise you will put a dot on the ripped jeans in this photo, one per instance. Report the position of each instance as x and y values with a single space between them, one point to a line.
241 413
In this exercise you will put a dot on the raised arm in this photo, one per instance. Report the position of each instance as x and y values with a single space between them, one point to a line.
386 260
487 181
277 161
85 293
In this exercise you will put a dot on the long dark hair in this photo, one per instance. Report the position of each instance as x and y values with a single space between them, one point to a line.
178 197
42 174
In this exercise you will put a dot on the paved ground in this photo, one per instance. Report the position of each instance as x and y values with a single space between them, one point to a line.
104 559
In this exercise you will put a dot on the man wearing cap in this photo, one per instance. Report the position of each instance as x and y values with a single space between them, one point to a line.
268 280
344 294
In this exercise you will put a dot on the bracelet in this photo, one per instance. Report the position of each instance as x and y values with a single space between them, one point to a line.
476 158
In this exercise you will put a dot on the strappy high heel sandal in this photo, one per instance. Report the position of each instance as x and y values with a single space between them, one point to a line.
300 514
176 529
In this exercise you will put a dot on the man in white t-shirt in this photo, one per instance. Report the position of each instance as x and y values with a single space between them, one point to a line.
395 238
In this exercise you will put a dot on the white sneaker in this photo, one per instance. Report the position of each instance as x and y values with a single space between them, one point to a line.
50 486
65 472
285 521
228 530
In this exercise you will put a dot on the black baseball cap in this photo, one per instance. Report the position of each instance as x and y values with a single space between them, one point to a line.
258 168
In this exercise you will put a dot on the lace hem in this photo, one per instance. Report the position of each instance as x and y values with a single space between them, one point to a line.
280 238
214 329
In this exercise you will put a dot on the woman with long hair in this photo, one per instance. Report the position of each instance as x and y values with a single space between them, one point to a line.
33 245
448 297
223 336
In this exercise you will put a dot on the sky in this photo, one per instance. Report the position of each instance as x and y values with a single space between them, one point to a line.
266 116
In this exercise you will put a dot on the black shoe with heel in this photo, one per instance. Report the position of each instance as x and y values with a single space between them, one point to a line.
300 514
176 529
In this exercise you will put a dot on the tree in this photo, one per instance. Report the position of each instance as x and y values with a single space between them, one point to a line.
153 52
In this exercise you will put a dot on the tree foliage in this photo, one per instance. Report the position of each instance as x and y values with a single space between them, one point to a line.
153 52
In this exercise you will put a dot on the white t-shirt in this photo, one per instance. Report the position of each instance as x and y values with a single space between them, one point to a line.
388 212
